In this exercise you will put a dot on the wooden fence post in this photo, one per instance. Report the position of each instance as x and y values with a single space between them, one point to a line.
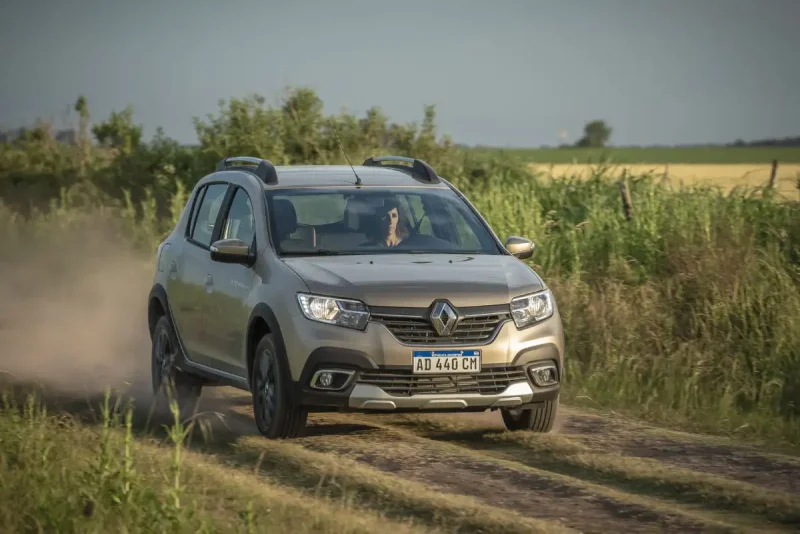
798 181
627 205
773 174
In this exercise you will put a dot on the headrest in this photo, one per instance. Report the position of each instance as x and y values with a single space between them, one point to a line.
355 212
285 218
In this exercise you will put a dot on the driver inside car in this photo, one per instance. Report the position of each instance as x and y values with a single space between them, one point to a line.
391 226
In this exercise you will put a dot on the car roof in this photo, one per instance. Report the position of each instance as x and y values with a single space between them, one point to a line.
343 175
378 171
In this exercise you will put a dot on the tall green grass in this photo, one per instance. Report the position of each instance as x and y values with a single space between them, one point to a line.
688 313
52 485
59 473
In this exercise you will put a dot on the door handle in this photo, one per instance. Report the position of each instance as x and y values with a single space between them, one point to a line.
209 283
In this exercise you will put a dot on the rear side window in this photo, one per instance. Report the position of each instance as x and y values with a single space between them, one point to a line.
206 218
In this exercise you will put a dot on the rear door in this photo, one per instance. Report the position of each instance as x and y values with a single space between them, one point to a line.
188 277
227 313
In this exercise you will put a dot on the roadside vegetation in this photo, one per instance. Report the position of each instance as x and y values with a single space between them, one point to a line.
686 314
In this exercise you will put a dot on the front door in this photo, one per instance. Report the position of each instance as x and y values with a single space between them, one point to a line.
227 313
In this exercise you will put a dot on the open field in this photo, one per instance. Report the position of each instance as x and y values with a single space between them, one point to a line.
726 176
700 154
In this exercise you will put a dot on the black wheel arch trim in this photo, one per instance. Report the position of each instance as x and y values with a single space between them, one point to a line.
263 311
157 293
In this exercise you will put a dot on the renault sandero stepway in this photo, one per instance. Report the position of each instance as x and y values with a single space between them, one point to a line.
369 288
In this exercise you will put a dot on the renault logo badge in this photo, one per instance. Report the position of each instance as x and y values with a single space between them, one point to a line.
444 318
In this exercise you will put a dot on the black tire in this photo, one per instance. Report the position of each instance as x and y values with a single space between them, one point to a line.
538 419
168 382
275 414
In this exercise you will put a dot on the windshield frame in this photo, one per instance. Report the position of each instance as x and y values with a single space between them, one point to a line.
496 249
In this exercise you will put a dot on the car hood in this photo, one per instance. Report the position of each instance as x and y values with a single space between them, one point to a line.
401 280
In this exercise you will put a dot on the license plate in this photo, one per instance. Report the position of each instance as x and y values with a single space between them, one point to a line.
446 361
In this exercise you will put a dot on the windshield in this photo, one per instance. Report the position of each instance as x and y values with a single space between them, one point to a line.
329 221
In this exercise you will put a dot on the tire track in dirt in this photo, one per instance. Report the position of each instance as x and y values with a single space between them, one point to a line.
770 471
634 439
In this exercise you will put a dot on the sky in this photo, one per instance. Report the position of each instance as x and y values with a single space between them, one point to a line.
502 73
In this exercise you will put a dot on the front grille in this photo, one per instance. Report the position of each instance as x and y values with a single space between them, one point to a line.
490 381
419 330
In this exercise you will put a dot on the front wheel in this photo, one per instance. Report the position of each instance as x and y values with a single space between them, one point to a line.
275 414
537 419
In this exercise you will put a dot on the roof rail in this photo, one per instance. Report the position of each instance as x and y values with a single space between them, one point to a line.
417 165
264 169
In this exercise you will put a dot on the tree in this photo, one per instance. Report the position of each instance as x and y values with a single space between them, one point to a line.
119 131
595 134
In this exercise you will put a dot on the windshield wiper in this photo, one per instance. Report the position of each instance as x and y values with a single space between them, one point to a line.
314 252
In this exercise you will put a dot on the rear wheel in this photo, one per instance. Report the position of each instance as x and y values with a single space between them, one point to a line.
169 382
537 419
275 414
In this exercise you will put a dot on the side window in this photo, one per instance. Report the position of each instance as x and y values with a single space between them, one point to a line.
203 227
240 222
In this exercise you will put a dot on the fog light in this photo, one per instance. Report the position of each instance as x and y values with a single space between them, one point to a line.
326 379
544 375
331 379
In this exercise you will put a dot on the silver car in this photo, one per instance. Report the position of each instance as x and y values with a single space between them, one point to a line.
370 288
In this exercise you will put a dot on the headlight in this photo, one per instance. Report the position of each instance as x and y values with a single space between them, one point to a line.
529 309
339 312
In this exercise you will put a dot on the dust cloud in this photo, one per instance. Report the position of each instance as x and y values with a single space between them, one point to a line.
73 314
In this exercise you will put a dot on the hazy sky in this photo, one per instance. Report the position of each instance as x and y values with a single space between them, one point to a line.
502 72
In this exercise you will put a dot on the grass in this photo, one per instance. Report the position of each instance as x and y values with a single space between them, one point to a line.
685 314
685 155
60 474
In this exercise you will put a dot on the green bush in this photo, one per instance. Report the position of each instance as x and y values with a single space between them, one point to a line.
686 313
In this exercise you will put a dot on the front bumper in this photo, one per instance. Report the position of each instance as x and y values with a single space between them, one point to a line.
464 393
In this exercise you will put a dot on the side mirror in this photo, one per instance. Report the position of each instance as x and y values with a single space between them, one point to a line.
232 251
520 247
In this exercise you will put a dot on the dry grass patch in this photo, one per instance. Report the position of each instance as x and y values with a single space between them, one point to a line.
728 176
